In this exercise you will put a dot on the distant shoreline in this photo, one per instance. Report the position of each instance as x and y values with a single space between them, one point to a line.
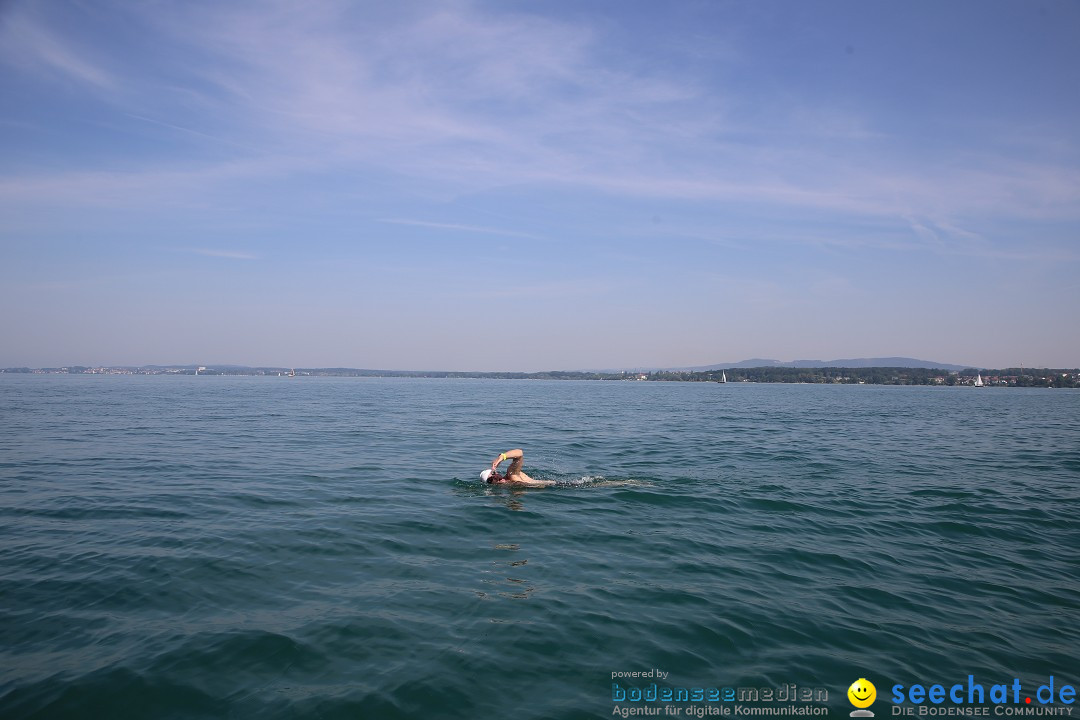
1007 377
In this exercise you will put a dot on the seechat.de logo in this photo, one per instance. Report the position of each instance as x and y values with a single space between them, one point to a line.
1010 698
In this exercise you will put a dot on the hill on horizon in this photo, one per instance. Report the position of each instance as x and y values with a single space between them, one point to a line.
904 362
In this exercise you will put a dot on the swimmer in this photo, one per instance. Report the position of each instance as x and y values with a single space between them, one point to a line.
514 474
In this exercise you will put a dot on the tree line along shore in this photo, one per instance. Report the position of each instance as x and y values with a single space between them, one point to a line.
1007 377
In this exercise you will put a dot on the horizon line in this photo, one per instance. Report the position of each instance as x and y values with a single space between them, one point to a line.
786 365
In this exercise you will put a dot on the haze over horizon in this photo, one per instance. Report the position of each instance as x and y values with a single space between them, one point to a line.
483 187
895 361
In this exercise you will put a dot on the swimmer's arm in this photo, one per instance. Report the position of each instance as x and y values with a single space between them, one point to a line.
508 455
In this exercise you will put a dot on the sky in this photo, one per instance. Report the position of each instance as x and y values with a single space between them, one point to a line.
538 185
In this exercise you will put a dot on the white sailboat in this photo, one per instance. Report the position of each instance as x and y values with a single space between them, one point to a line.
978 380
723 377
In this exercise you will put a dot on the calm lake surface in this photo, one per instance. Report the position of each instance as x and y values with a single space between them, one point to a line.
229 547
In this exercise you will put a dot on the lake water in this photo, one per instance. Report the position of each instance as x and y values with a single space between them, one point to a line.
230 547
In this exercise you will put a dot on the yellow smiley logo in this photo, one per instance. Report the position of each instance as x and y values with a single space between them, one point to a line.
862 693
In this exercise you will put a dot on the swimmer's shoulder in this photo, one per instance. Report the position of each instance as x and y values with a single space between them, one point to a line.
529 482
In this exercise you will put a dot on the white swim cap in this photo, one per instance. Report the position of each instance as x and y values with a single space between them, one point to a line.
485 475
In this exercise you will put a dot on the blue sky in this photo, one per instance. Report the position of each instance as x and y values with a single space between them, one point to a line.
545 185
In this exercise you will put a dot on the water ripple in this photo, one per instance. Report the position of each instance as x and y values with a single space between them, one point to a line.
240 547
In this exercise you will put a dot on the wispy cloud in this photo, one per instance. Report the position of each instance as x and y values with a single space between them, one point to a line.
28 43
180 184
943 238
467 100
556 290
192 131
230 254
480 100
463 228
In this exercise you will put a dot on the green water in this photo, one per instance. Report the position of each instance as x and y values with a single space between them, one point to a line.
229 547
